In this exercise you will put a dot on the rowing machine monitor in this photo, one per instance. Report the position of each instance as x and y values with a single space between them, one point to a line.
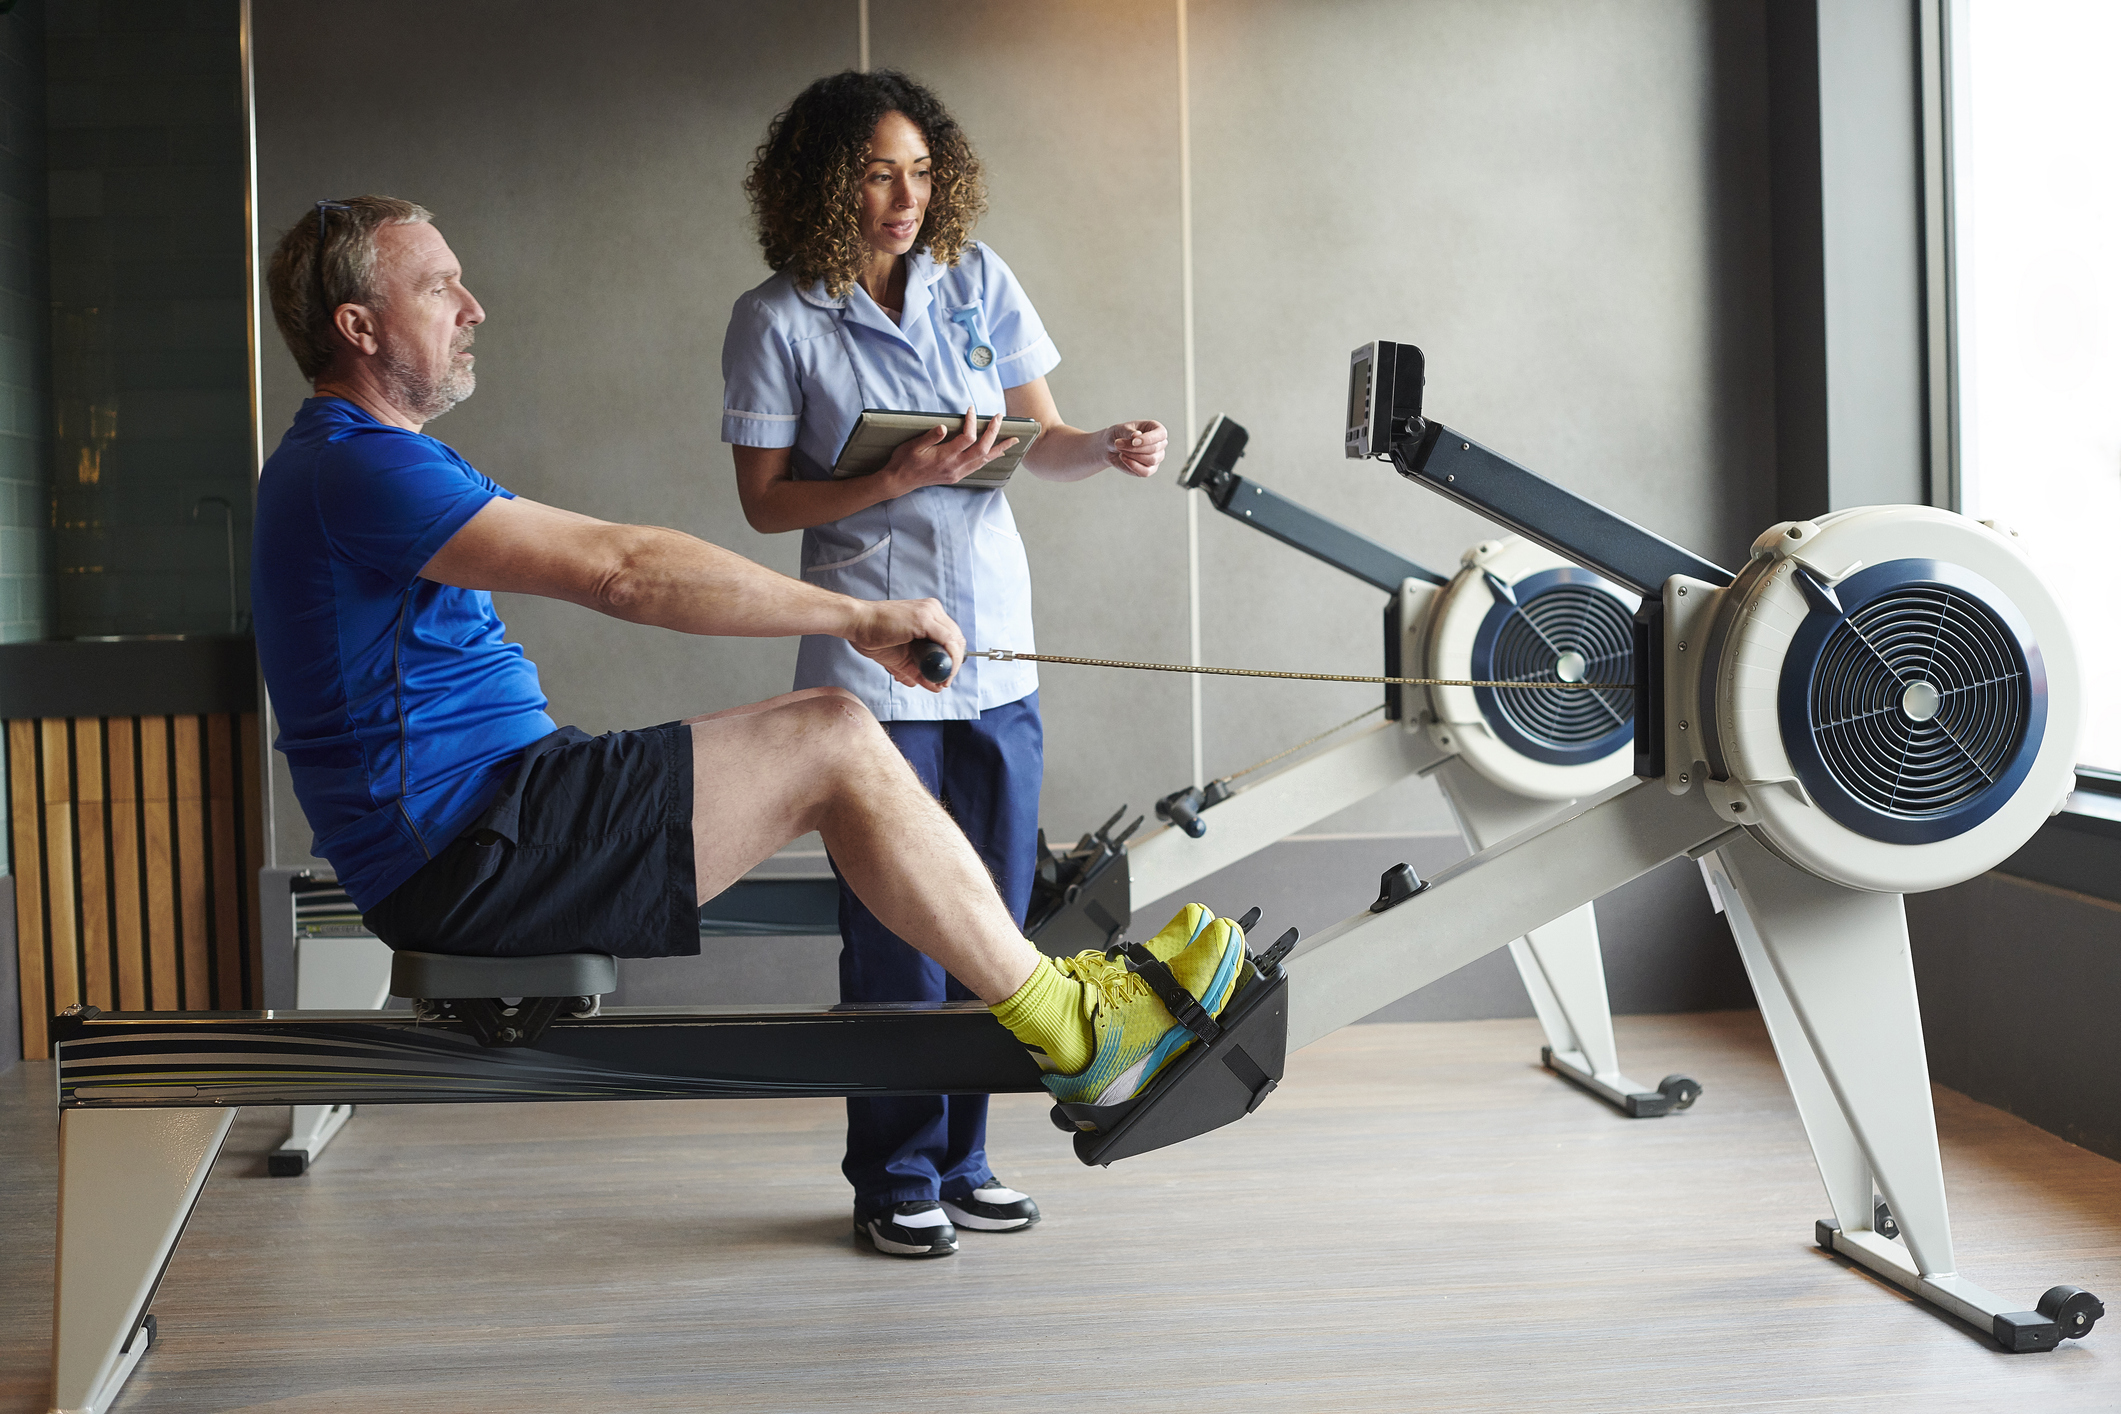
1215 455
1384 398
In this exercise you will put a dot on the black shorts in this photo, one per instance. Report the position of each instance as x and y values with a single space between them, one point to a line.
588 848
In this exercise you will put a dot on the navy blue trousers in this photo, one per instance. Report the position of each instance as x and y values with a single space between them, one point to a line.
987 774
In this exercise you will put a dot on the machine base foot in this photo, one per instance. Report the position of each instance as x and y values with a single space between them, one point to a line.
2065 1312
312 1127
1674 1092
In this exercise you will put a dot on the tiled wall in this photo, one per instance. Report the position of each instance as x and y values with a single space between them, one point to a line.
25 490
148 320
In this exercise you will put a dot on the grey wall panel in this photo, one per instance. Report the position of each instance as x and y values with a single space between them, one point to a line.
1081 153
2020 986
1870 161
1849 252
1541 196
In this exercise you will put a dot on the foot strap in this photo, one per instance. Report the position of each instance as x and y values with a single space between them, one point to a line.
1184 1007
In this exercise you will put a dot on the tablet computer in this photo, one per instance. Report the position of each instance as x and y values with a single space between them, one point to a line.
879 431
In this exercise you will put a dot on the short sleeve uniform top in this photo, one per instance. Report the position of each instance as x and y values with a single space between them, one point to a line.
799 366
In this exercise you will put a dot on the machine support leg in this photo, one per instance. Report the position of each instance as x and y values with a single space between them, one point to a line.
331 974
1842 1165
309 1129
1561 964
1836 986
128 1180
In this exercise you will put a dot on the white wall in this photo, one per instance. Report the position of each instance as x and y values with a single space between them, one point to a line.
1563 202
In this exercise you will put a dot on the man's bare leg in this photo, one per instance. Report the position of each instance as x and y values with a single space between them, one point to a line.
768 773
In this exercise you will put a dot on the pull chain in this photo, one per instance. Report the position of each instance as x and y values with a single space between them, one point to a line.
1004 655
1367 712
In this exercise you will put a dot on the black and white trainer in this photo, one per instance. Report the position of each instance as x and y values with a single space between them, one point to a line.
917 1229
992 1207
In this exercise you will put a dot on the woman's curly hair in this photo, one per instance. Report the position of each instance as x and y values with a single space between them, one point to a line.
805 184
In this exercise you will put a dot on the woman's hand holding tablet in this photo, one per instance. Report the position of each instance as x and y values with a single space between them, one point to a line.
914 449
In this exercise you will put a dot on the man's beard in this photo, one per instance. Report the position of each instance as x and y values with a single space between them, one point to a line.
419 392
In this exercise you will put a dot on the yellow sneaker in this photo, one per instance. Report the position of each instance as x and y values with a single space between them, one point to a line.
1135 1033
1181 932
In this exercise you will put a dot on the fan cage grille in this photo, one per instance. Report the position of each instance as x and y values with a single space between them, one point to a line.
1880 754
1559 611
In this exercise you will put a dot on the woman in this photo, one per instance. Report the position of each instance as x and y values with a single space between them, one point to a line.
866 192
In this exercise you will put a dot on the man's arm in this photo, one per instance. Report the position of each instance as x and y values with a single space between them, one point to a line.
648 575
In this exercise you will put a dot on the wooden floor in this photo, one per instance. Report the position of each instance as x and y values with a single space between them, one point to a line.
1419 1219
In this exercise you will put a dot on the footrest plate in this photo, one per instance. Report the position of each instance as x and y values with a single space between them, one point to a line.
1212 1084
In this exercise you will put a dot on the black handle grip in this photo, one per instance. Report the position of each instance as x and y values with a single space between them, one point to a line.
1182 808
933 660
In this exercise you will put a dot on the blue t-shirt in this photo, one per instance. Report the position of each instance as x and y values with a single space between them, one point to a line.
400 707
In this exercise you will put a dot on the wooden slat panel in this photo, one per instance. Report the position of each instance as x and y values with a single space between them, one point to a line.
158 865
188 805
23 820
226 864
250 773
91 811
127 937
63 958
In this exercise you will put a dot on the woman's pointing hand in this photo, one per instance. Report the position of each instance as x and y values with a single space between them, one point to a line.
1137 448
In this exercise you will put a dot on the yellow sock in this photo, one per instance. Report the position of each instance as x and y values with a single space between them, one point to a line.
1047 1014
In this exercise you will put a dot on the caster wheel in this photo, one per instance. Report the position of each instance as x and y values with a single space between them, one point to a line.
2073 1310
1683 1090
1882 1222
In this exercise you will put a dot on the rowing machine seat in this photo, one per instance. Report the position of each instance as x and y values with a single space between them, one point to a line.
438 975
476 990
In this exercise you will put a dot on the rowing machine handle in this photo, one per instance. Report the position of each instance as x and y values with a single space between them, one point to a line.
1182 808
933 660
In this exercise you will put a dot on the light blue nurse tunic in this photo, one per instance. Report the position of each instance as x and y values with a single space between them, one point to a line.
798 368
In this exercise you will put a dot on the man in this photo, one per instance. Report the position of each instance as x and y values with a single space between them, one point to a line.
461 820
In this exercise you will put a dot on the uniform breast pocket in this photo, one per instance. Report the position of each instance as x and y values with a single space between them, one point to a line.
862 572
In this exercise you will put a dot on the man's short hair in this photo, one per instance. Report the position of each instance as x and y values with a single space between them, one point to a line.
326 259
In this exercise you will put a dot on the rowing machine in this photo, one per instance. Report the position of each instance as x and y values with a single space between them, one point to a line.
1883 701
1504 760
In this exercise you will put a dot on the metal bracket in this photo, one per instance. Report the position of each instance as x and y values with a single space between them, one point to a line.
1183 807
1083 897
495 1021
1485 481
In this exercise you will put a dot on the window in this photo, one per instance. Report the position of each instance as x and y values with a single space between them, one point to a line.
2037 187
